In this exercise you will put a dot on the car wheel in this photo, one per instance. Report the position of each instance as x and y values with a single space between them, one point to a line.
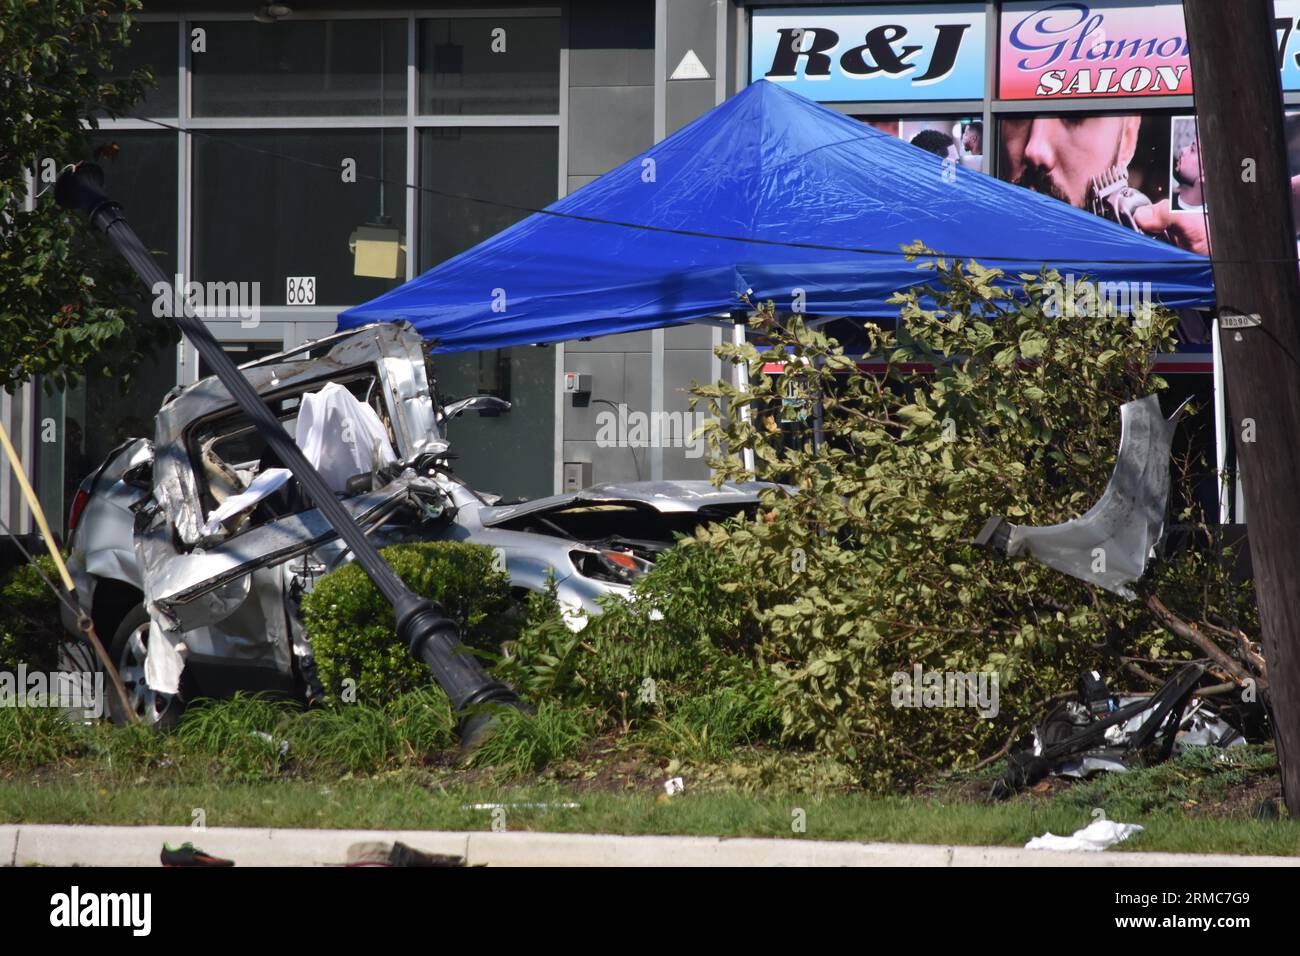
129 651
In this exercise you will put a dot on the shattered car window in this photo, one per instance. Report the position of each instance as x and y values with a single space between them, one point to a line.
227 453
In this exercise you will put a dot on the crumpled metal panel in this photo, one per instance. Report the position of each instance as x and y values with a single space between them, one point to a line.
395 351
107 523
409 405
1109 545
188 576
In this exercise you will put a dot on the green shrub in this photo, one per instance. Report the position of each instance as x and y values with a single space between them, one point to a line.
870 570
352 629
687 630
711 725
130 748
247 736
32 737
30 631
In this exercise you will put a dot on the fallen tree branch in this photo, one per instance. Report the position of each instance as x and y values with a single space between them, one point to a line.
1133 668
1175 625
1248 653
1015 734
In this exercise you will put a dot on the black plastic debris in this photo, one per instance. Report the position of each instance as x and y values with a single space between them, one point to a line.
1096 732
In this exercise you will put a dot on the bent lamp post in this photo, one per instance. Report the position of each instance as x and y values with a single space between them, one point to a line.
431 636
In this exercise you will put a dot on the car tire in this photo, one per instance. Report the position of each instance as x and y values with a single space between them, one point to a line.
129 650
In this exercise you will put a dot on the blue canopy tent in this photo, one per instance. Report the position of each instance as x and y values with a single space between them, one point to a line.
768 193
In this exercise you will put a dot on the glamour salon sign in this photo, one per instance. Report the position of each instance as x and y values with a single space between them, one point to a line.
1077 49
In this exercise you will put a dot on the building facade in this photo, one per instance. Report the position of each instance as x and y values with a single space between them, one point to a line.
274 146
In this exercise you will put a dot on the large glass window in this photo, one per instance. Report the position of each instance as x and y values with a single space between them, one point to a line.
104 410
259 216
300 68
517 167
269 201
509 454
140 173
153 45
490 65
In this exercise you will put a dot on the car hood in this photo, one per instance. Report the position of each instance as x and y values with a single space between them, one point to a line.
663 496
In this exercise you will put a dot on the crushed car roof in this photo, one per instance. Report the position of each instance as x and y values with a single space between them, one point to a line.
663 496
395 350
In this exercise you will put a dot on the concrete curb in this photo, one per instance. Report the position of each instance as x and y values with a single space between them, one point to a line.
53 845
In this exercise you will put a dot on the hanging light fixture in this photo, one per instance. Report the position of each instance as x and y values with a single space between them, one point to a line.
271 12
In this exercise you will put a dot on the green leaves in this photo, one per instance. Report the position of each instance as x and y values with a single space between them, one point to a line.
65 297
987 405
915 415
350 624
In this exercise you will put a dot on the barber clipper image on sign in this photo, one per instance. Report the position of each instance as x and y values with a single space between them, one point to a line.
1114 166
1114 199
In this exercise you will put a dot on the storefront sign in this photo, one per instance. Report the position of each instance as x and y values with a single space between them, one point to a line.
877 53
1076 49
1287 24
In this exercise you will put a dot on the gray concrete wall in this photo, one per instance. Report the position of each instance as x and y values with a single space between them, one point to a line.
621 101
611 119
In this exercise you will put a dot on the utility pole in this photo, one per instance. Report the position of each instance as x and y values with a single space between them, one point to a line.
1235 75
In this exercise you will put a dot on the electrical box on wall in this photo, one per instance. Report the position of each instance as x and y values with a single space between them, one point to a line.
577 383
577 475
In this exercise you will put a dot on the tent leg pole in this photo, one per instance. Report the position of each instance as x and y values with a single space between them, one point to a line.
739 320
1221 431
819 414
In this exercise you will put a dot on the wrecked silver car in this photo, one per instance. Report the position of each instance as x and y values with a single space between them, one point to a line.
193 550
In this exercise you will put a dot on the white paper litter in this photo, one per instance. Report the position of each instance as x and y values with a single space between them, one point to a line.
1094 837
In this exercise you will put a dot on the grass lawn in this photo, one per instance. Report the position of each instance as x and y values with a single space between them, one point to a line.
407 800
354 777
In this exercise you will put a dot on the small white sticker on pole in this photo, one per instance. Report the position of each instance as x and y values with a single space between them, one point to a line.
1238 320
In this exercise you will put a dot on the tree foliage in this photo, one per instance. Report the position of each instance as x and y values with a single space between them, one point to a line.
987 402
65 298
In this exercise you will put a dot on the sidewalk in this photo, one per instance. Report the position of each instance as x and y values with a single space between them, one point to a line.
50 845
